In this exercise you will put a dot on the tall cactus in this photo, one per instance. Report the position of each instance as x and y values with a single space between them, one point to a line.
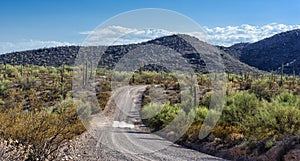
5 69
159 77
193 91
228 76
272 78
281 75
195 97
91 73
294 77
62 81
21 70
85 73
133 79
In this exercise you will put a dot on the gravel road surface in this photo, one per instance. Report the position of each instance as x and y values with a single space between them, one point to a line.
120 135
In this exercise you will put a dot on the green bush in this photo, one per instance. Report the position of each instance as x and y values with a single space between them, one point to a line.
273 119
287 98
201 113
164 114
42 131
205 100
238 106
4 84
261 88
269 144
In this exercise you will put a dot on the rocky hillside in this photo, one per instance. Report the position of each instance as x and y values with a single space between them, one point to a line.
271 53
58 56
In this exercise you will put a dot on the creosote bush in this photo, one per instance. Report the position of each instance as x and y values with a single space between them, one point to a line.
42 131
160 115
261 88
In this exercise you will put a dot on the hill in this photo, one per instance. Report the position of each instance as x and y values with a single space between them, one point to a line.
58 56
271 53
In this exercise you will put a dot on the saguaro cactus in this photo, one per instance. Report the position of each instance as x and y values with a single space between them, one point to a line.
294 77
281 75
85 73
5 73
193 90
91 73
195 97
62 81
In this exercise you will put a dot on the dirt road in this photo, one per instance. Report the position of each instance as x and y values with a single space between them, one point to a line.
118 136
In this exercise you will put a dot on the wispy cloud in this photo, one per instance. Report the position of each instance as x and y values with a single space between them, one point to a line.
230 35
225 36
116 35
6 47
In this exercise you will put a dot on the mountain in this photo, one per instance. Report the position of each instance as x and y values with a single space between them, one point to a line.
179 43
58 56
271 53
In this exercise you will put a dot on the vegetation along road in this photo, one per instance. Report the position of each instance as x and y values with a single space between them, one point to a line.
121 135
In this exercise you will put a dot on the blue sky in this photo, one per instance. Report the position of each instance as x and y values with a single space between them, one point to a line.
34 23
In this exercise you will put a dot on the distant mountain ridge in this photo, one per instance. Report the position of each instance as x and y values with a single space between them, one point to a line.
58 56
271 53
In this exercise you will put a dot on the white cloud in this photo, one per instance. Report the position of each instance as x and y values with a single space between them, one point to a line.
116 35
230 35
225 36
6 47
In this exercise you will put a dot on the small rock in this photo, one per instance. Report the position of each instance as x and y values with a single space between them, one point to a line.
292 155
171 135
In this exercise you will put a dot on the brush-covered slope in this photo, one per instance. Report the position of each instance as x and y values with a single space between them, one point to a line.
58 56
271 53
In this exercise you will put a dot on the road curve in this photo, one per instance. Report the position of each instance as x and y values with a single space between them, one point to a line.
117 136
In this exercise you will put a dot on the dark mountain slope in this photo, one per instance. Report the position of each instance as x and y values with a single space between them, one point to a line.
58 56
269 54
179 43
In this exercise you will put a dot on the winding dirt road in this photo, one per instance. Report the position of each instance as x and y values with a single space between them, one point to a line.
117 135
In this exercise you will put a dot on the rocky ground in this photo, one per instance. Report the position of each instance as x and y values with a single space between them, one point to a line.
287 148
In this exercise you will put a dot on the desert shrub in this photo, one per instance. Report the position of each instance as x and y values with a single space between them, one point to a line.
269 144
261 88
203 80
43 70
287 119
103 98
192 133
84 110
101 71
4 84
212 117
272 120
224 131
10 70
43 131
27 82
205 100
178 123
238 106
160 115
146 77
120 76
187 101
104 86
286 98
200 114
